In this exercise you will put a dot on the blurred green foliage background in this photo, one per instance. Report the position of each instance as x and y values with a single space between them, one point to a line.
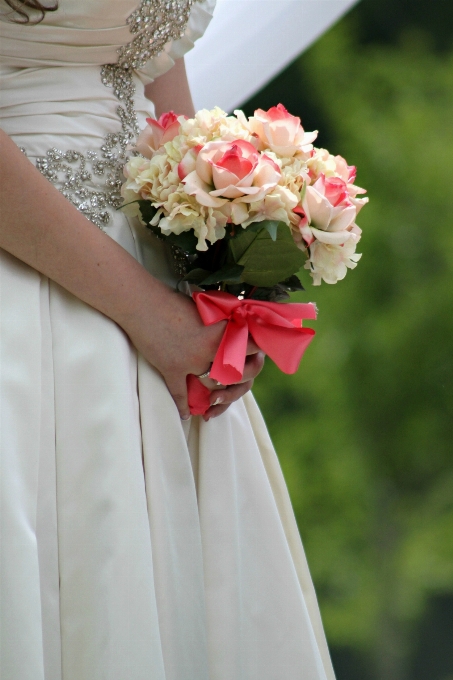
364 430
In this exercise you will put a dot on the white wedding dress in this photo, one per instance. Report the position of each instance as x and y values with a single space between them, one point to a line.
133 546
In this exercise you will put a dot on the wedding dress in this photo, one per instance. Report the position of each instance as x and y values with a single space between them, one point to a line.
134 546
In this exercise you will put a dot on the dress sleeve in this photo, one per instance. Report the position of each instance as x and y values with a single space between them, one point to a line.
200 16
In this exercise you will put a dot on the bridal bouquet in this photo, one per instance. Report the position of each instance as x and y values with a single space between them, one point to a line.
246 203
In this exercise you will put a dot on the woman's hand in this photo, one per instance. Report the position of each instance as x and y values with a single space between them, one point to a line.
171 92
222 397
176 342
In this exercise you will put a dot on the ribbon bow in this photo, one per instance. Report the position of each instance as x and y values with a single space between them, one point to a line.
276 328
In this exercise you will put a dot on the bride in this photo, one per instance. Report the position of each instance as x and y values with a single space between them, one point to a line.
137 542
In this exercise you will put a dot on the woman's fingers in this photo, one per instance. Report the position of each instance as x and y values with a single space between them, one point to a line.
221 399
231 393
221 396
215 411
252 367
252 347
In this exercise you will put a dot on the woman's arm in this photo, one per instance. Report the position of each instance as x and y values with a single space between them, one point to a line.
171 92
43 229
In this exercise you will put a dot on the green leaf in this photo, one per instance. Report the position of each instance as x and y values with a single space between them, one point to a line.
270 225
147 211
278 294
155 230
267 262
272 228
239 245
235 288
228 273
196 275
186 240
292 283
255 226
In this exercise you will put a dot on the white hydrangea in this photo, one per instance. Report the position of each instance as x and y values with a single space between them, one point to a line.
330 263
182 213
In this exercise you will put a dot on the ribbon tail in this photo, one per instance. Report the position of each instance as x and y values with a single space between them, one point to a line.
198 396
285 346
229 361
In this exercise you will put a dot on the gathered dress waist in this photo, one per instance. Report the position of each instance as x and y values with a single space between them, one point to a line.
67 107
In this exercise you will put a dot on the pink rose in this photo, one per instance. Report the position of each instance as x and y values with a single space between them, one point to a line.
346 172
229 170
279 131
328 213
336 191
158 133
188 162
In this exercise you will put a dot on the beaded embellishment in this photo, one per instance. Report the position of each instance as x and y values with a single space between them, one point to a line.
92 181
155 22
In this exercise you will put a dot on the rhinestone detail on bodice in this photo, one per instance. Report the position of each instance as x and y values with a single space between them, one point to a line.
155 23
92 181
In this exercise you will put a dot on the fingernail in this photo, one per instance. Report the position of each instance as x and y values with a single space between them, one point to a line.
185 417
218 401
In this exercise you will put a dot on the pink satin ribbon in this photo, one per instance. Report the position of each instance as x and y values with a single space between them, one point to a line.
275 327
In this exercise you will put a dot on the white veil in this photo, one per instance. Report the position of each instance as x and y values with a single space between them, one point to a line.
249 41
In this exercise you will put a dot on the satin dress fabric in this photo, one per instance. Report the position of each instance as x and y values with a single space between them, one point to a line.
133 545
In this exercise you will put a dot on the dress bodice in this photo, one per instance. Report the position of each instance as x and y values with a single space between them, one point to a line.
71 94
147 36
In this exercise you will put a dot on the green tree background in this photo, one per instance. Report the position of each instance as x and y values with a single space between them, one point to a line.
364 430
